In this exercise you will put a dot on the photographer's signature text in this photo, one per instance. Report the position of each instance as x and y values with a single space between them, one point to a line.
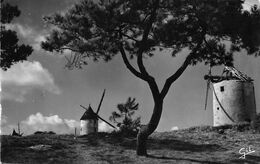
245 151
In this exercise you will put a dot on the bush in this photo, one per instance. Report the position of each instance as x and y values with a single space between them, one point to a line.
123 119
44 132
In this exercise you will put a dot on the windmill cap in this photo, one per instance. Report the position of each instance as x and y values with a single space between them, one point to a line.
89 114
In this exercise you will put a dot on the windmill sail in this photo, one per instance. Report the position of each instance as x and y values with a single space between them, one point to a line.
207 93
207 90
105 121
101 101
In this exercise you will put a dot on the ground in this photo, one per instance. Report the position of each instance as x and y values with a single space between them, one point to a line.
193 145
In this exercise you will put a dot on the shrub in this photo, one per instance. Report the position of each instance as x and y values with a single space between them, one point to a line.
123 118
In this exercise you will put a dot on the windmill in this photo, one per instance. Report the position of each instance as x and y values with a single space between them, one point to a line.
89 120
19 134
233 96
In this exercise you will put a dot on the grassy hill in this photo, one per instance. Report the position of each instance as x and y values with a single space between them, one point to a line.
194 145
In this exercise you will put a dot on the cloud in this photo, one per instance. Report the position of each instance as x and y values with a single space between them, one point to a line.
21 78
37 42
104 127
38 122
249 3
33 37
24 31
174 128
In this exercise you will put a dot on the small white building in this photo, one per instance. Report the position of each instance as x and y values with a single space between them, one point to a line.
88 122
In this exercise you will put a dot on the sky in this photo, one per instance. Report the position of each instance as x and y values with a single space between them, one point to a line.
42 94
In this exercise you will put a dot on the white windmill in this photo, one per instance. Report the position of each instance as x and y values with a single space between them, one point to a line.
89 120
233 97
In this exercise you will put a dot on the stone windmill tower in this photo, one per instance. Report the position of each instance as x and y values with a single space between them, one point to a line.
89 120
233 97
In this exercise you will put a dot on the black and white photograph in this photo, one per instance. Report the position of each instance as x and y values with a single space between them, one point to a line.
130 81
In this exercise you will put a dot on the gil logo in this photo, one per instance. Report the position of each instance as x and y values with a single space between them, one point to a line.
245 151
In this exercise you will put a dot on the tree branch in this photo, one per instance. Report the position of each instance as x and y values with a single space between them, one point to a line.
129 37
66 48
179 72
129 66
144 39
188 59
150 80
154 88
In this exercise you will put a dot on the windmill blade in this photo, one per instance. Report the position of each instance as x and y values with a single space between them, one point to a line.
101 101
207 93
208 86
106 121
83 107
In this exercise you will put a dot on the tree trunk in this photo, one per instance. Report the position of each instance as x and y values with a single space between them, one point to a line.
141 144
148 129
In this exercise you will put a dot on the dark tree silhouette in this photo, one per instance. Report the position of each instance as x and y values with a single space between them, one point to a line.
124 118
212 31
11 52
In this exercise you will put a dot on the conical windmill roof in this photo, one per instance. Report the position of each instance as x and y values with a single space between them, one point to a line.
89 114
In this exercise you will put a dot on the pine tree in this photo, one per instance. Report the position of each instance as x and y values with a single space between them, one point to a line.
11 52
124 117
